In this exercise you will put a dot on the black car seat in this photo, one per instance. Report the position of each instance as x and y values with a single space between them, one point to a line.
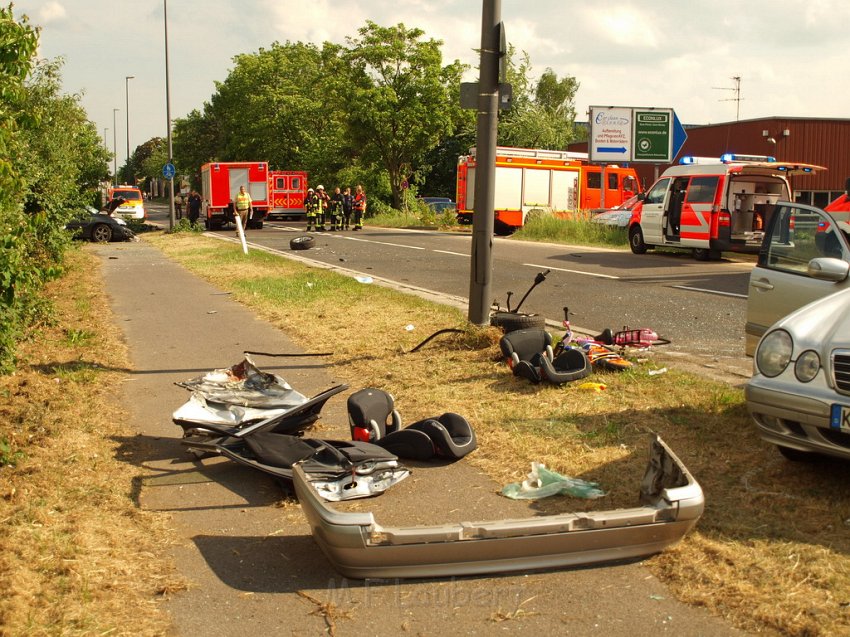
373 418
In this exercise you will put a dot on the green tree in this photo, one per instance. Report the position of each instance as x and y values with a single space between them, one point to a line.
402 101
195 141
542 114
51 161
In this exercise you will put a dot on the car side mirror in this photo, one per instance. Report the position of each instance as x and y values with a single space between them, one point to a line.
828 269
642 196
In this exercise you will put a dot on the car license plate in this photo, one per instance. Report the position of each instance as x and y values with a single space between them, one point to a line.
839 418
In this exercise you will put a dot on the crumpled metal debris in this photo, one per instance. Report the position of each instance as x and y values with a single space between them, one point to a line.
244 384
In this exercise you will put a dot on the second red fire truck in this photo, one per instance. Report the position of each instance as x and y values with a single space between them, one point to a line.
551 181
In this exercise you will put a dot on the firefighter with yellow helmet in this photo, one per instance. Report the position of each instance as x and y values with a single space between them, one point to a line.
312 205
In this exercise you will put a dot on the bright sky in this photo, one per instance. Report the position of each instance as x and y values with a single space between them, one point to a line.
792 56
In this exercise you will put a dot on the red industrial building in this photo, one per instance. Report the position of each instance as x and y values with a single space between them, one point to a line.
823 142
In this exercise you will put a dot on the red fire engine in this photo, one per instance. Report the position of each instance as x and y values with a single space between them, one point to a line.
550 180
220 182
287 191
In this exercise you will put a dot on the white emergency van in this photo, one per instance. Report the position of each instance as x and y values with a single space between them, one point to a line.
711 206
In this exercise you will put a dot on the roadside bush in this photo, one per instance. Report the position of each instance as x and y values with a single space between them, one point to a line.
184 225
51 161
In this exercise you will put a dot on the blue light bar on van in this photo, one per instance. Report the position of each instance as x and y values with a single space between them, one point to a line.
691 159
728 158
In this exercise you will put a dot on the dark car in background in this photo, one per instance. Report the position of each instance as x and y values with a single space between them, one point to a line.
438 204
99 227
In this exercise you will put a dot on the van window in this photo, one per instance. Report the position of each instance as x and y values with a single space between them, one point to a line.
658 191
594 180
279 183
702 189
612 181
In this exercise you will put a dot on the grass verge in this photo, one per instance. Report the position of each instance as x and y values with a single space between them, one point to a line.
77 555
578 230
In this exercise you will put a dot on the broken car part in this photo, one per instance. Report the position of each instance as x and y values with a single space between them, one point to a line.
671 502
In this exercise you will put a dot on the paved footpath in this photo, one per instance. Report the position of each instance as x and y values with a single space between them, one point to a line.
252 563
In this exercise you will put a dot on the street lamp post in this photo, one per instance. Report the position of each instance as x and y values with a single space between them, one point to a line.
127 105
168 117
114 150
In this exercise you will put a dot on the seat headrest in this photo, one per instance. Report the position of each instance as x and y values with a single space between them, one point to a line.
369 409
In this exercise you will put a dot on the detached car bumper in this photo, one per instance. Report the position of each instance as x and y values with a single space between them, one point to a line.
786 418
671 502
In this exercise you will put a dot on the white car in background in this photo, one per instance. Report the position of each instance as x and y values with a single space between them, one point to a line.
618 215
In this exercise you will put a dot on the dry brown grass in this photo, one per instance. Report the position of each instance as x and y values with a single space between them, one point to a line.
771 552
77 555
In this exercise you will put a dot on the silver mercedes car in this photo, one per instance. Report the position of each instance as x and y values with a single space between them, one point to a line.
799 394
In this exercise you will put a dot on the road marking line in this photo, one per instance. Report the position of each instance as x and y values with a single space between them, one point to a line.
458 254
549 267
686 287
383 243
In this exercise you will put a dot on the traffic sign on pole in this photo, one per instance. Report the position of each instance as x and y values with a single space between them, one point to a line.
168 171
626 133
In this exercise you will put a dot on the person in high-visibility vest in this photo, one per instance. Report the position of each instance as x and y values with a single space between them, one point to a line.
324 201
311 206
242 206
358 206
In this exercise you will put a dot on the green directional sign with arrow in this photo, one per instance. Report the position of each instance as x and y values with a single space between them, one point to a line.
652 135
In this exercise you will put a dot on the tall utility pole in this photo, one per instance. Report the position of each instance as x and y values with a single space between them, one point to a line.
168 117
114 150
737 99
127 98
481 265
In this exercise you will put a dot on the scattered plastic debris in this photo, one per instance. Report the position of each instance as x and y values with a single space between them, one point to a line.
363 279
212 312
594 387
409 327
543 482
656 372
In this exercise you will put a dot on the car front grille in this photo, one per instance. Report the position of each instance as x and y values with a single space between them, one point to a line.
841 370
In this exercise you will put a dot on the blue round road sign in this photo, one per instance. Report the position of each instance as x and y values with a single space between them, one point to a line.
168 171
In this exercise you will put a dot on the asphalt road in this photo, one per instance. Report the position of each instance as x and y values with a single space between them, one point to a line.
699 306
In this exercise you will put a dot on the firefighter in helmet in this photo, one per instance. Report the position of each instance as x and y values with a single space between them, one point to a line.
324 201
311 206
358 206
336 209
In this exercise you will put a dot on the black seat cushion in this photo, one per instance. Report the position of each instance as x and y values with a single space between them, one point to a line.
569 365
451 434
409 443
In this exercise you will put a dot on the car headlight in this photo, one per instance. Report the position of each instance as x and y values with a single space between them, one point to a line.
807 366
121 222
774 353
